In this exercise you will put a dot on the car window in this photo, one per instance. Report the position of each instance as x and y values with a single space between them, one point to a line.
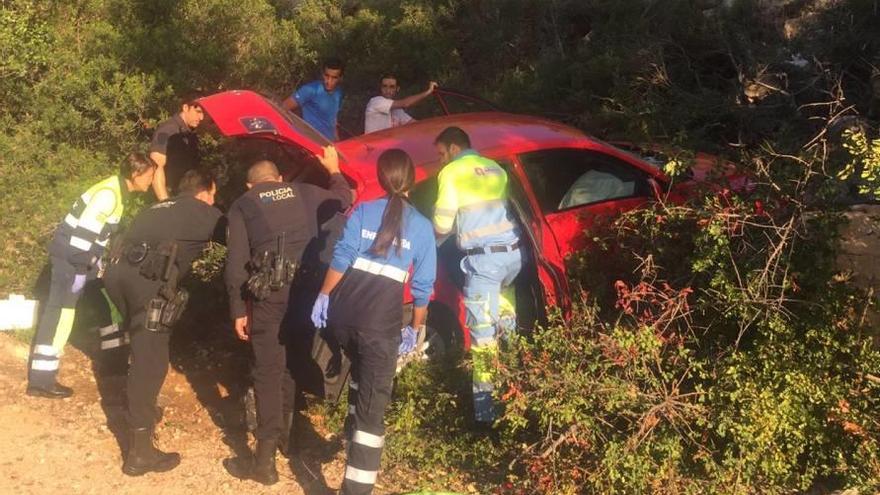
566 178
449 102
657 159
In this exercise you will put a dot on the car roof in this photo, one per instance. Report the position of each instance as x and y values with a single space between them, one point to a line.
493 134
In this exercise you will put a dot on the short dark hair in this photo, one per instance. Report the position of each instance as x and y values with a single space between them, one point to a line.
333 63
135 164
195 181
453 135
191 99
389 75
262 171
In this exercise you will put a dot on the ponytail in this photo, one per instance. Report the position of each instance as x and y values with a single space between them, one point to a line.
396 176
392 227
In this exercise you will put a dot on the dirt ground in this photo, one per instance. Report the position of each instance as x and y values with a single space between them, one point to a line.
74 445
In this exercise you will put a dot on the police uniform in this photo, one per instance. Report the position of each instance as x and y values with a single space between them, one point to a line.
472 196
256 220
180 145
76 247
365 315
191 224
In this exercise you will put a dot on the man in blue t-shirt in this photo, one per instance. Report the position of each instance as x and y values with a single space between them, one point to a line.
320 100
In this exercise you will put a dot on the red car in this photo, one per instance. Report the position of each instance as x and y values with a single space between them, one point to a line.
561 182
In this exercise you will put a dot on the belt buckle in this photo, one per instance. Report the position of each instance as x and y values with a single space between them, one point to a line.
137 253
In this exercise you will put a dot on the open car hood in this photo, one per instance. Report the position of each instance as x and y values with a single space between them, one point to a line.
241 113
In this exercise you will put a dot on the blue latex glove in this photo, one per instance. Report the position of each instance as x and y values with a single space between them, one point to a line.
409 336
79 281
319 311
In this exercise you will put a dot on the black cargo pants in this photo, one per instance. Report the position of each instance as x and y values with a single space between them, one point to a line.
373 356
273 387
131 293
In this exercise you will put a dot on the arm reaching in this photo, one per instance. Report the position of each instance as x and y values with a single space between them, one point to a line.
412 100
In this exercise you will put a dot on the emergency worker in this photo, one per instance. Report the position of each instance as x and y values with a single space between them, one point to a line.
175 147
361 299
142 281
271 214
75 254
472 197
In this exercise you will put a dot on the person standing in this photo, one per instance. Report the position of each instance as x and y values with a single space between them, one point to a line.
384 111
320 100
75 255
157 252
472 197
175 148
361 301
271 213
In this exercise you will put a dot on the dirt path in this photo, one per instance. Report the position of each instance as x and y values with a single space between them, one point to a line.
71 446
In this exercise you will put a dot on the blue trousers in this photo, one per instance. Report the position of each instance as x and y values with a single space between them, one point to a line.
490 311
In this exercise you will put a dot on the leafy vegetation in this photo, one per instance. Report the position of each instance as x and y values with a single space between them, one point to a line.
714 350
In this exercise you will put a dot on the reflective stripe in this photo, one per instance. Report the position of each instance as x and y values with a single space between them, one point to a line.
353 385
102 242
44 364
71 220
382 269
483 341
482 205
488 230
360 476
105 331
445 212
81 244
478 387
45 350
351 408
443 230
112 343
91 224
368 439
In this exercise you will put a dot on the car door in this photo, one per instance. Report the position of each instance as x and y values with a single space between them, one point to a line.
577 189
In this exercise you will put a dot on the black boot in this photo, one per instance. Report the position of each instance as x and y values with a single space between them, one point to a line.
143 457
54 390
264 463
259 467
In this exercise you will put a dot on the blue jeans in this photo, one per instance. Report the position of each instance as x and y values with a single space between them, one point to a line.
488 302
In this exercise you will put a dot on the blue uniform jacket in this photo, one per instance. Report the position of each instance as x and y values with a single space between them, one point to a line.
417 248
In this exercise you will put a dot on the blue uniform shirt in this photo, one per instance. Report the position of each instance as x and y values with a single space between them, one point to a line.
319 108
417 248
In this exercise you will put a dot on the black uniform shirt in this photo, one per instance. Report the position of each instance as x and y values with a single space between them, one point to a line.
269 208
180 145
184 219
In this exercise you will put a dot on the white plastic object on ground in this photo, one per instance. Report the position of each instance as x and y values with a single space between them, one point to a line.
18 313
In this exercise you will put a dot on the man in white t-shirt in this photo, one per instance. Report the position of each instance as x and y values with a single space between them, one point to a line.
384 111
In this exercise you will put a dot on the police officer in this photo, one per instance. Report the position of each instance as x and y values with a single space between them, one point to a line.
175 147
362 298
270 213
472 196
75 254
156 253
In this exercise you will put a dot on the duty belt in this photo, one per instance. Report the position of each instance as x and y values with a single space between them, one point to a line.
492 249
